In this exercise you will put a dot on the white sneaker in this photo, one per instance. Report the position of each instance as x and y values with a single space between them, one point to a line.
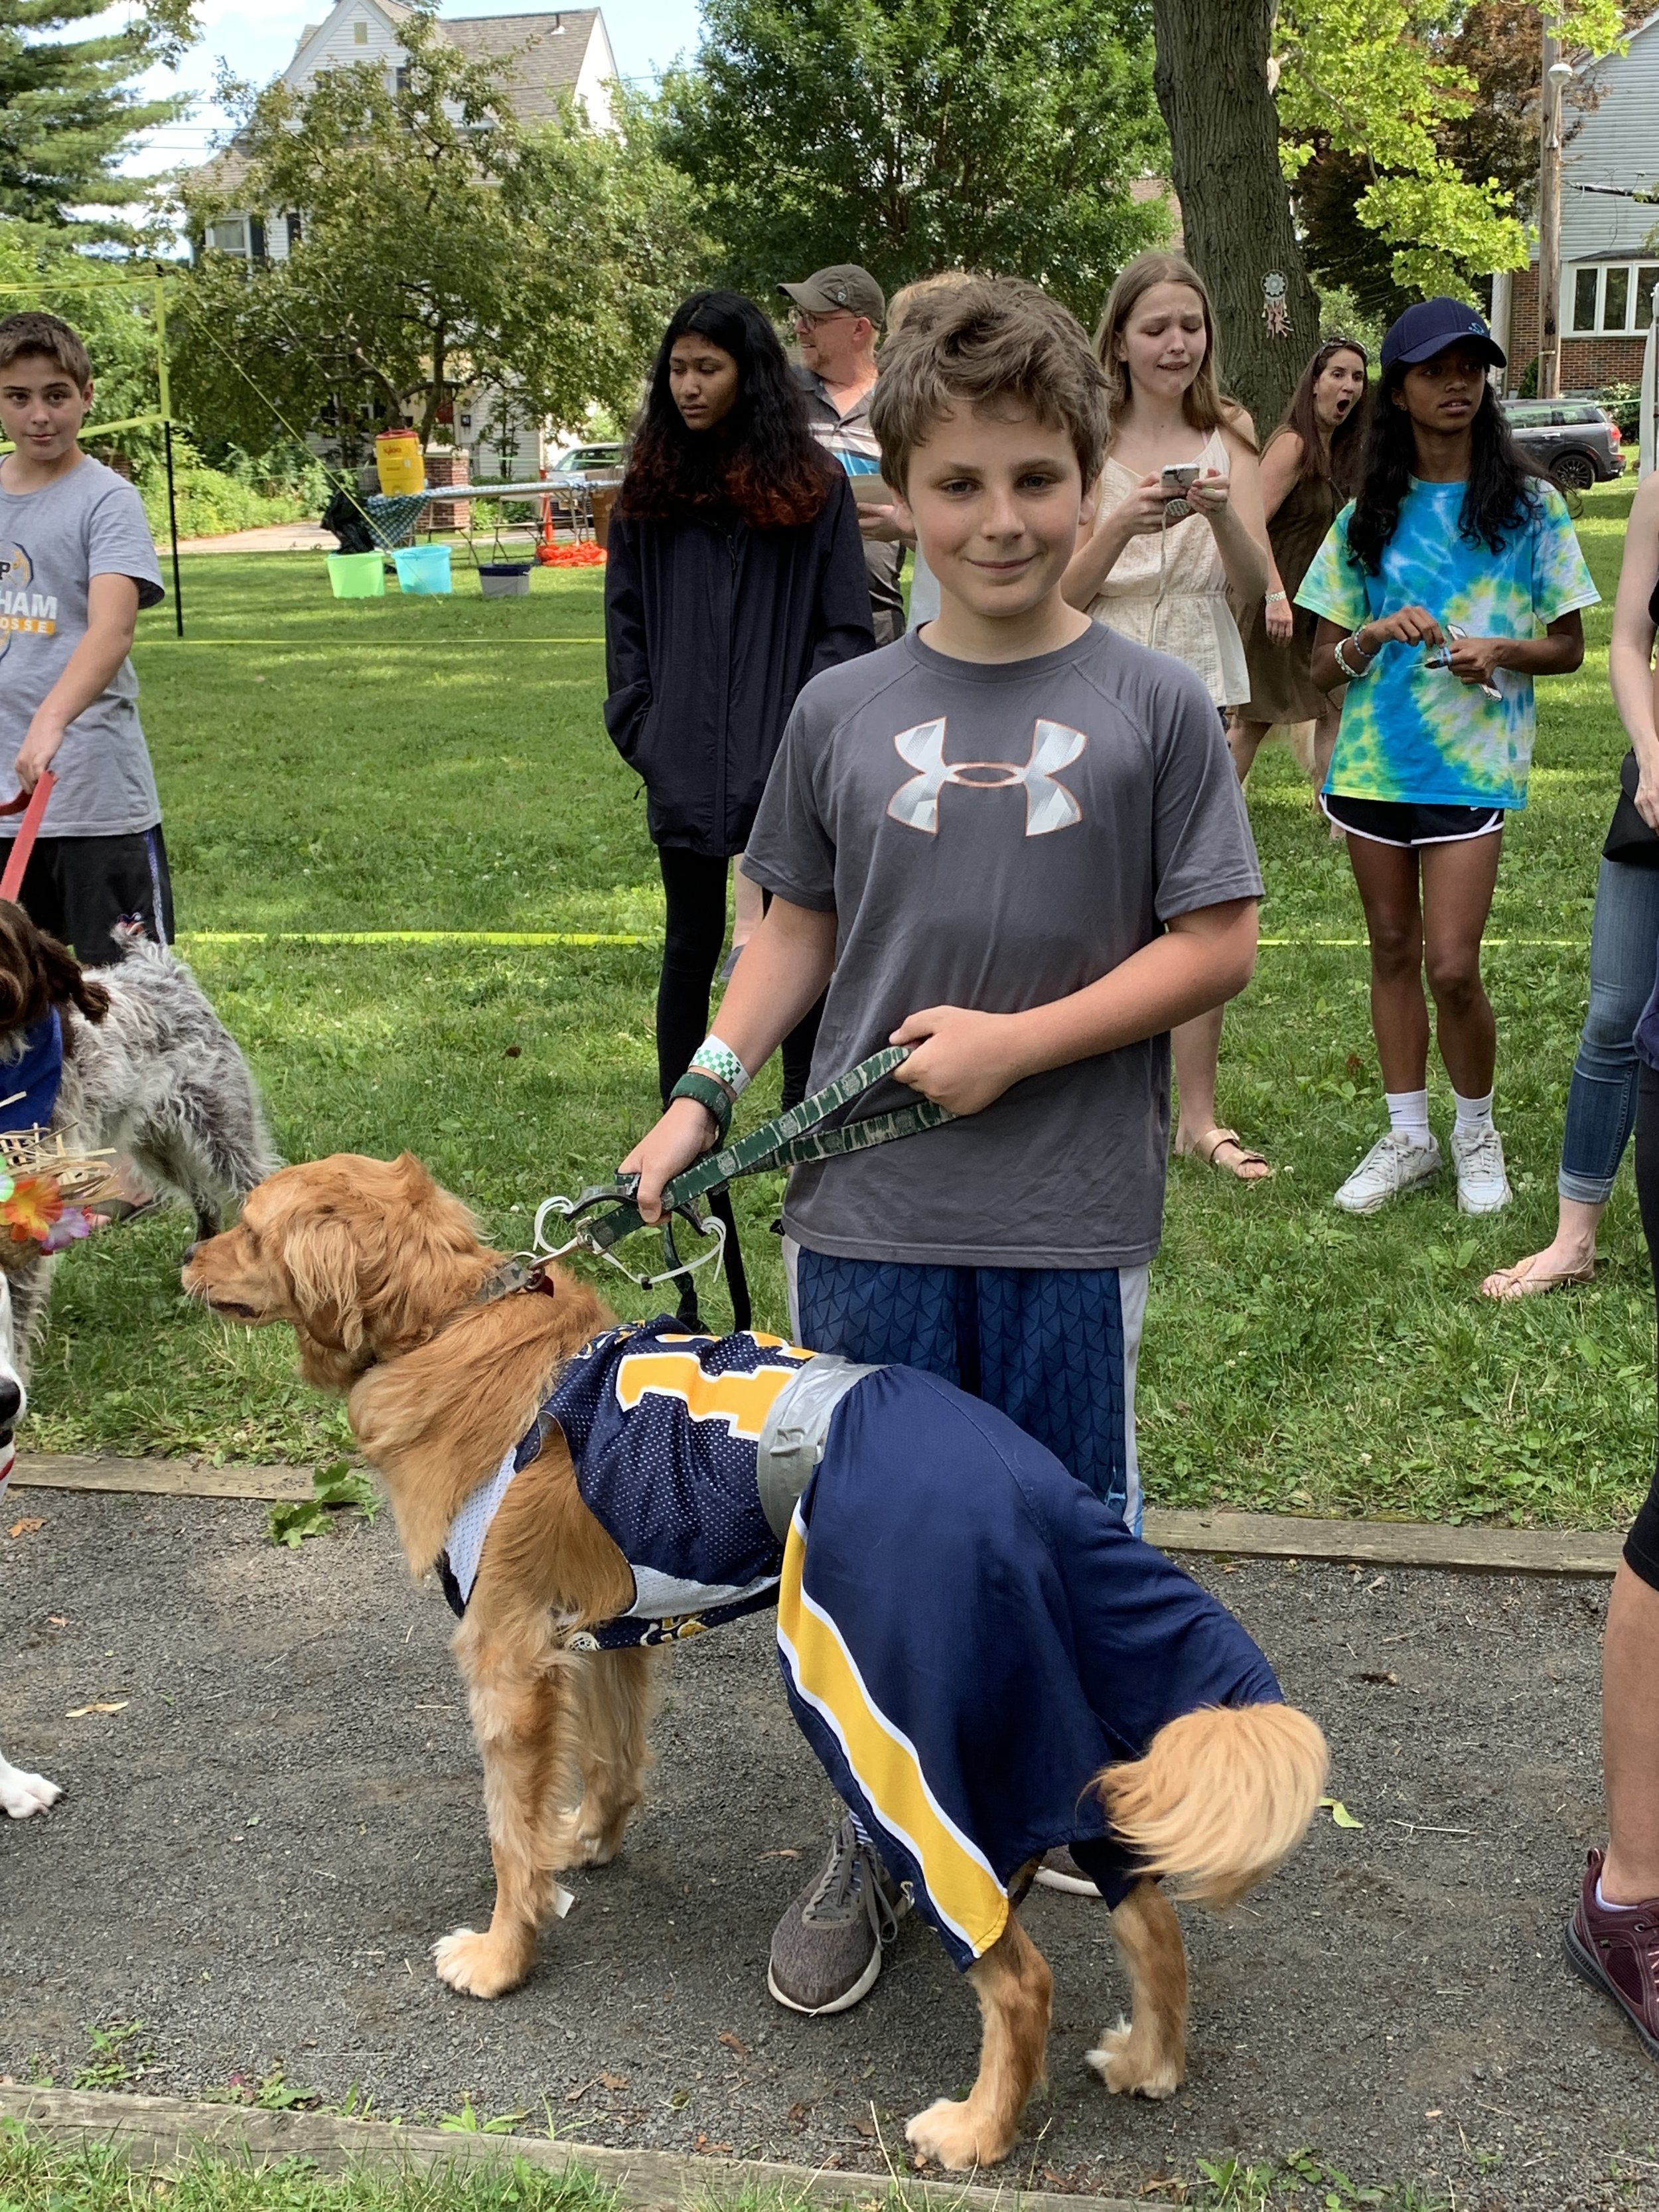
1395 1164
1482 1185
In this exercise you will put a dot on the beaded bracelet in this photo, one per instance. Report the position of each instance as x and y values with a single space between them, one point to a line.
1342 661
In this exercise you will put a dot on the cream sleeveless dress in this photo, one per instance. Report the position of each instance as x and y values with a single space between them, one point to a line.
1169 590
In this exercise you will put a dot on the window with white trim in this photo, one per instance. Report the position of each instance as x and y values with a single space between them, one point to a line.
1613 297
360 33
228 235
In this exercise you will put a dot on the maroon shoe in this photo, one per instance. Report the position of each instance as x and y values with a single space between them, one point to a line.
1616 1947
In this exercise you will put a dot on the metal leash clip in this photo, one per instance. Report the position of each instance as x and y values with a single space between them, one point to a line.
598 1236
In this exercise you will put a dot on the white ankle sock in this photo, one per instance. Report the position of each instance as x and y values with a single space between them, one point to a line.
1473 1113
1408 1113
1600 1900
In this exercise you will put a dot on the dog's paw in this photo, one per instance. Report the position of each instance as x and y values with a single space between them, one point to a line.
23 1794
956 2137
1126 2071
579 1842
479 1966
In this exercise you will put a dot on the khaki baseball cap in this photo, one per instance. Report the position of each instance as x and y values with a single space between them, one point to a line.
843 286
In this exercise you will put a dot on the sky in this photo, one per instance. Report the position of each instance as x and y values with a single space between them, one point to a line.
257 39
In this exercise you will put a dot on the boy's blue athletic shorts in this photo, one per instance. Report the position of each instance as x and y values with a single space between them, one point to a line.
1054 1348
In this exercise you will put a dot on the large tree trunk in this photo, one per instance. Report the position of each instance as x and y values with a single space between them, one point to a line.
1212 81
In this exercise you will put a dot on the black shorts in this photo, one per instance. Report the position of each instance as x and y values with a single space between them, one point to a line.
1394 822
78 888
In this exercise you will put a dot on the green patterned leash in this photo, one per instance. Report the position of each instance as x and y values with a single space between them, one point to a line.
790 1140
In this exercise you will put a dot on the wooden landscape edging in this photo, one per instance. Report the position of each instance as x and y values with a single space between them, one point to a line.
1213 1531
163 2133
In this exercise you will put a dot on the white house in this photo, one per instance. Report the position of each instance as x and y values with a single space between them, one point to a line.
543 56
1609 243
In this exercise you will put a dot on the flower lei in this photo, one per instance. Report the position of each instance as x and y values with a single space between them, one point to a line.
33 1211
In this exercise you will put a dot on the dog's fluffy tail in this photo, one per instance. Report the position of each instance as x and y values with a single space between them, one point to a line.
1221 1797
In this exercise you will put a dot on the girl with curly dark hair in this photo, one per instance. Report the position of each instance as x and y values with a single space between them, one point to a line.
735 572
1452 580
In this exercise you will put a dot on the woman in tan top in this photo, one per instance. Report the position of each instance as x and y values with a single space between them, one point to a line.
1160 570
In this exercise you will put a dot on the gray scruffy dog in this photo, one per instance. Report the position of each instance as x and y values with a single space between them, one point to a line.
148 1070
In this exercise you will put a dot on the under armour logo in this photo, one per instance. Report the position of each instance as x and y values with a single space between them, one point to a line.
1049 805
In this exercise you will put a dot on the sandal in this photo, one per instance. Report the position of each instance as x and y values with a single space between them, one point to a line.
1507 1284
1205 1148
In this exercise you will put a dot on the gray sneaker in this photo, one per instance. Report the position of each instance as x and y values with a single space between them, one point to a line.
1059 1870
826 1950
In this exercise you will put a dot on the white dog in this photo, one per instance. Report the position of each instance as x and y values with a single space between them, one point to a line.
20 1794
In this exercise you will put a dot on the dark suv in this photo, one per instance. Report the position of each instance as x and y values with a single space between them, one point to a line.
1574 442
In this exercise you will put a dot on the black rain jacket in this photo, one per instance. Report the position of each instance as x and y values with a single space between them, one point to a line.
710 632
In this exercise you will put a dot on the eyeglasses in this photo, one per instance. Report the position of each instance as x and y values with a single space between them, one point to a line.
808 322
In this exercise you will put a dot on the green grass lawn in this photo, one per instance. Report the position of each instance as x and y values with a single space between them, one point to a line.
441 765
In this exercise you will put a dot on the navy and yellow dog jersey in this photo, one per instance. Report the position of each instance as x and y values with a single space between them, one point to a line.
967 1633
662 1429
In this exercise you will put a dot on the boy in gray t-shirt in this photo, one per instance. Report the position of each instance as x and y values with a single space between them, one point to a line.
76 564
1014 841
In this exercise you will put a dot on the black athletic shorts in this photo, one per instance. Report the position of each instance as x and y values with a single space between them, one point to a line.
1394 822
78 888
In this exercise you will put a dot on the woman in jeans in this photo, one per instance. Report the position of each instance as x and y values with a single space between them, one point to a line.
1601 1102
1613 1937
734 574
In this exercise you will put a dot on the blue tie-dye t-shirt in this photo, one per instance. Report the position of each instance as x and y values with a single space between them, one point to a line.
1418 734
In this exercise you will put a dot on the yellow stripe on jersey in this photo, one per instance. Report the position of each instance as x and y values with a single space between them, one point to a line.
742 1401
964 1891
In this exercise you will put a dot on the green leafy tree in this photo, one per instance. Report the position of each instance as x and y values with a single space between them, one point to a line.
68 110
1493 133
116 318
1256 92
443 244
917 134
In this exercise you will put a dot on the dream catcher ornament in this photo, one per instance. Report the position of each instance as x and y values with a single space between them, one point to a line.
1274 313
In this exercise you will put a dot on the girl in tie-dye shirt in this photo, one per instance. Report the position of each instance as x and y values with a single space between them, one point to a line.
1451 581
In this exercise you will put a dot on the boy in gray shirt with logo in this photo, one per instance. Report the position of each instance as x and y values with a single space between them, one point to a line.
76 564
1012 841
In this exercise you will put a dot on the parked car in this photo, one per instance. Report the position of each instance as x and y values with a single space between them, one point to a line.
1574 442
600 464
574 475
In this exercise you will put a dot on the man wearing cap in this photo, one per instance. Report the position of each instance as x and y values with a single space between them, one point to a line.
838 315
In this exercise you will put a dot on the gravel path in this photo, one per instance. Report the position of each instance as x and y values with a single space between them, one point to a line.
259 1848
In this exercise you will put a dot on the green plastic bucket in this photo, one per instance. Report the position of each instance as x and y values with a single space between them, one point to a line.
357 575
423 569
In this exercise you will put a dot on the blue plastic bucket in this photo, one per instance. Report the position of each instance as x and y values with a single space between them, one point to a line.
423 568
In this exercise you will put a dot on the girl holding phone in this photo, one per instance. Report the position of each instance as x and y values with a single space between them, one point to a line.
1161 559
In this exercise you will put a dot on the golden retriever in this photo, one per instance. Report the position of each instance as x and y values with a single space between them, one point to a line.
377 1271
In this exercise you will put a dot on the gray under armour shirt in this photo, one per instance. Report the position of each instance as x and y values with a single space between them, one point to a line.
999 836
89 522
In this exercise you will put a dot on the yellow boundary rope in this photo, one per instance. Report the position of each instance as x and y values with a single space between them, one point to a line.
406 937
601 937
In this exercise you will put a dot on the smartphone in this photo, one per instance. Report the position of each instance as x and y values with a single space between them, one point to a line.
1177 476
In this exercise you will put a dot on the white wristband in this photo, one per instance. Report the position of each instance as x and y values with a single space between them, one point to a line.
718 1060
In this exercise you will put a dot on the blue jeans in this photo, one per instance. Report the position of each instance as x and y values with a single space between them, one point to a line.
1601 1102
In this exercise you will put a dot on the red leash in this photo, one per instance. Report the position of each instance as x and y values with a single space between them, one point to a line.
31 808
